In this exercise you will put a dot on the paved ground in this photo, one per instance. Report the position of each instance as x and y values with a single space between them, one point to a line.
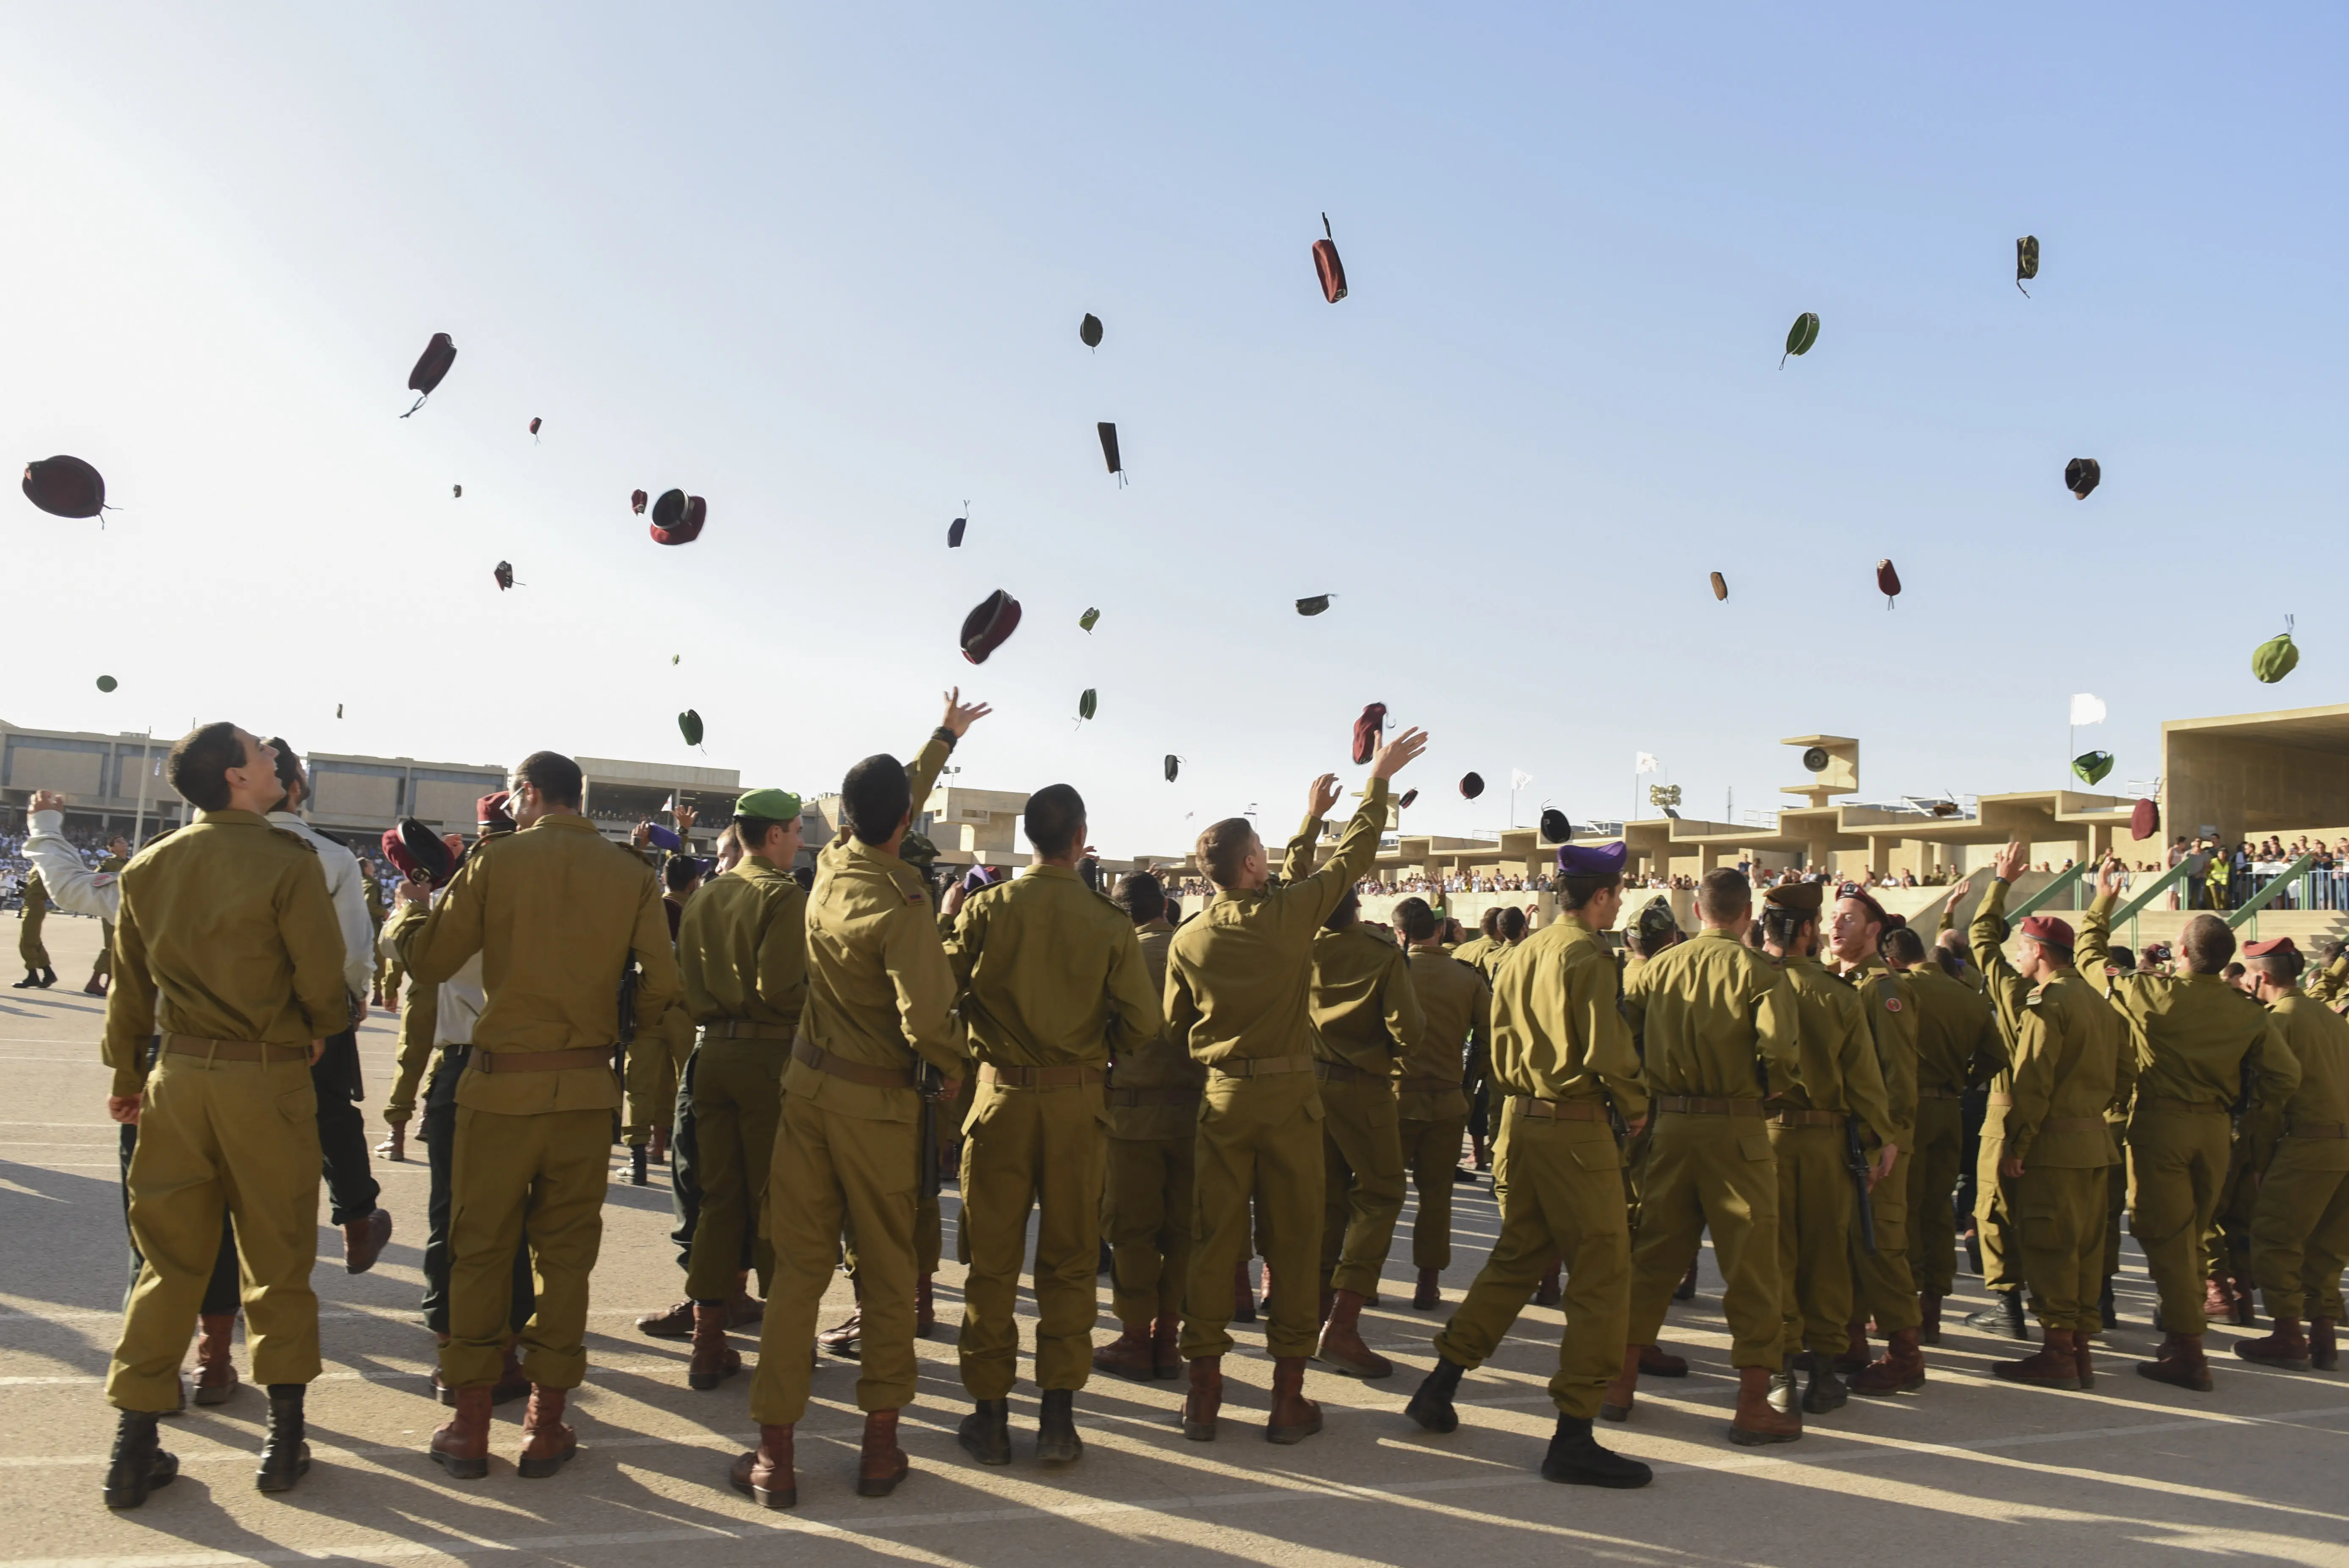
1970 1473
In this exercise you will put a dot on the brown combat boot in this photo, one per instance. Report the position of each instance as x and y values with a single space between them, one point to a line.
1657 1362
1615 1405
1929 1312
1899 1370
1855 1357
546 1443
2218 1298
463 1446
363 1241
881 1464
1294 1418
1243 1295
2179 1363
677 1322
1130 1355
1547 1292
2084 1365
765 1474
1166 1347
841 1338
2054 1366
1686 1290
2286 1347
2324 1350
714 1360
1205 1400
925 1311
1755 1423
1427 1293
1341 1348
215 1363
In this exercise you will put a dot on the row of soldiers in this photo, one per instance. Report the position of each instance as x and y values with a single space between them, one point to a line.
1233 1084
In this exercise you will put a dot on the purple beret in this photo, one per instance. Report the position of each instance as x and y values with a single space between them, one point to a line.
979 877
664 837
1592 860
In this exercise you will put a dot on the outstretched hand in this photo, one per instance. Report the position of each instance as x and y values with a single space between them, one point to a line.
960 716
1399 754
45 800
1320 796
2108 878
2012 861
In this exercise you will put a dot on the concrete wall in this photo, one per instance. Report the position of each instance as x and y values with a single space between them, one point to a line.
2245 788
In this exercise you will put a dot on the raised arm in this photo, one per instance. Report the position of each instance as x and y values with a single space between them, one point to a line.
922 772
2096 949
72 884
1312 897
1987 938
1296 861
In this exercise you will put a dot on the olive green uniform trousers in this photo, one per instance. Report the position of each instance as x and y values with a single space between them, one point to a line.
2300 1231
1431 1151
239 1138
1361 1144
37 957
1993 1219
1815 1237
2177 1164
2059 1219
1567 1202
2116 1201
1146 1211
1882 1285
830 1168
737 1099
1044 1149
1718 1172
656 1059
539 1180
1259 1139
2227 1245
1940 1137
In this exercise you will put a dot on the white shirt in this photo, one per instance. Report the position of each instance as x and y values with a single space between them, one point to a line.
73 885
341 869
463 994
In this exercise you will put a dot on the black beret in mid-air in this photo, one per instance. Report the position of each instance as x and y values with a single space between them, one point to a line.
430 366
105 683
1085 704
1088 330
677 517
1326 265
2026 261
1801 336
1471 785
2083 474
1174 765
64 487
954 532
504 572
1366 731
986 628
1555 827
1314 605
1109 450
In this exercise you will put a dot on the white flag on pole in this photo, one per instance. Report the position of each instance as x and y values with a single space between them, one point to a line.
2087 708
1519 778
1644 764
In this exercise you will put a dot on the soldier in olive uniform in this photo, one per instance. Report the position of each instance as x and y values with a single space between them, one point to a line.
1995 1220
743 964
879 995
228 947
1239 992
1718 1028
1365 1015
1458 1006
558 914
2201 1045
2070 1064
1958 1045
371 890
1839 1078
1153 1114
1051 977
2299 1225
1563 1057
31 913
1476 1080
656 1060
117 856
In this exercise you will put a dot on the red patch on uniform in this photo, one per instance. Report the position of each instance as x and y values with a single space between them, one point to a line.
1892 1004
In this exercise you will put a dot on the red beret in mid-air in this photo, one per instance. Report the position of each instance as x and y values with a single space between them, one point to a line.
64 487
1408 796
1326 265
986 628
533 425
1367 730
1887 582
677 517
637 500
430 366
2144 820
505 574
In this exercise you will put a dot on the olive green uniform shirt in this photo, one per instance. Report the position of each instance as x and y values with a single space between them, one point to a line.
225 932
2318 1041
741 951
1158 1063
1365 1010
1051 973
1458 1006
2070 1065
1558 1029
1958 1043
1888 1001
1840 1069
557 913
1711 1015
2197 1038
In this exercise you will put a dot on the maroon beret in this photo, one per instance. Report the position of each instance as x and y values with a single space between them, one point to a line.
2275 945
1855 890
491 815
2047 928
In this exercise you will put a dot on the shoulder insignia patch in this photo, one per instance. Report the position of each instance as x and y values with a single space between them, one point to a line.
2033 1000
1891 1005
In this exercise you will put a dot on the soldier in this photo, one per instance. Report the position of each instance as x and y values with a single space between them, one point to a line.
117 856
1476 1080
1717 1022
2299 1225
1154 1112
1882 1286
557 914
1654 928
1051 975
1958 1046
371 888
656 1069
1433 1112
31 913
1996 1228
2201 1045
743 964
1564 1058
1365 1015
1239 990
1839 1080
226 943
848 1146
2068 1065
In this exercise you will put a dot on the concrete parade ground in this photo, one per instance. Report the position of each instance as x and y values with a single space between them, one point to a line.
1972 1472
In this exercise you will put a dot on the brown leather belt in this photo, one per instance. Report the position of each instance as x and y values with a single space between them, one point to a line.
1427 1086
1558 1110
233 1050
2072 1124
543 1061
1339 1073
1069 1076
744 1029
1925 1094
1791 1118
2187 1107
2317 1129
1700 1105
1175 1096
1260 1066
840 1067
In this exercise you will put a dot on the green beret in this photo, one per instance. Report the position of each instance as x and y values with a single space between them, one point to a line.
772 804
1803 897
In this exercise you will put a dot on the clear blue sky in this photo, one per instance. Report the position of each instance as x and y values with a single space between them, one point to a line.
824 265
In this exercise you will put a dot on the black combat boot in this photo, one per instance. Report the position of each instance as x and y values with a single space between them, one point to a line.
1057 1442
1576 1458
1431 1405
986 1432
2004 1315
285 1456
139 1464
